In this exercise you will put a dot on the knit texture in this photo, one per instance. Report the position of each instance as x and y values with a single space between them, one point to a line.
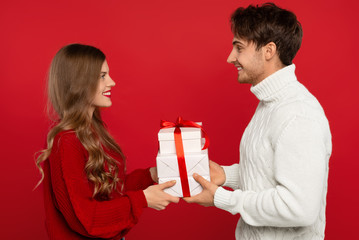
280 183
71 212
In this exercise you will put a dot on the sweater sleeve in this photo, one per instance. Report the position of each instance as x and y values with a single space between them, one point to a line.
139 179
232 176
73 195
300 163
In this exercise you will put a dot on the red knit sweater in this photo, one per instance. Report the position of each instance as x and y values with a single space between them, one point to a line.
71 212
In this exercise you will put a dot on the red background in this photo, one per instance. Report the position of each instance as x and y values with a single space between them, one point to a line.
168 59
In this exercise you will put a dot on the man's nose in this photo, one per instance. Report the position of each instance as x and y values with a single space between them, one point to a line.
231 58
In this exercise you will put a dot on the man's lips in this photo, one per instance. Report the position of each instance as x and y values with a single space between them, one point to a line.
107 94
239 68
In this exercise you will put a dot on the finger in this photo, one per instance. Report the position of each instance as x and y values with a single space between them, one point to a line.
167 184
174 199
160 208
191 199
171 198
200 179
187 199
153 171
213 164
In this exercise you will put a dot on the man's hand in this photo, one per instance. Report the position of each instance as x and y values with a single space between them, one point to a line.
217 174
206 197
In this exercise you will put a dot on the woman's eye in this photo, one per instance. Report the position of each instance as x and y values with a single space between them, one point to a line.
103 76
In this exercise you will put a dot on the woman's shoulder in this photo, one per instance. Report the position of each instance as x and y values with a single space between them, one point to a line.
67 142
68 134
66 137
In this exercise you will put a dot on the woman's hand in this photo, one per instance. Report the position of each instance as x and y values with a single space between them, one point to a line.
153 171
217 174
157 198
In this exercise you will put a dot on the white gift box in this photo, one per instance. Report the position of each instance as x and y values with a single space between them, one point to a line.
176 190
167 169
191 139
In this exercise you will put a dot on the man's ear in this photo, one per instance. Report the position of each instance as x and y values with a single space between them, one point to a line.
270 50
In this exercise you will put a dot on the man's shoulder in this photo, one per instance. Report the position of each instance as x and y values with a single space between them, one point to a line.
305 112
297 108
299 103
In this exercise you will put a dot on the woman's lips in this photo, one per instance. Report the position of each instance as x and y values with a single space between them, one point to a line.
107 94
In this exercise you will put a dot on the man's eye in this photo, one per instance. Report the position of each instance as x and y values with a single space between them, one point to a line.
238 49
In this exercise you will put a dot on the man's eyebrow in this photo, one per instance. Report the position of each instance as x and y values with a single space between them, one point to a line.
237 42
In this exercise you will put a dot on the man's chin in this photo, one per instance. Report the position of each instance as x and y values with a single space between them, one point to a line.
242 81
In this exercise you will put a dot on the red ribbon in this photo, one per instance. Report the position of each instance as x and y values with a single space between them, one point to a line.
179 148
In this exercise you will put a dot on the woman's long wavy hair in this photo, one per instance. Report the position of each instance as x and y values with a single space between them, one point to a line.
72 83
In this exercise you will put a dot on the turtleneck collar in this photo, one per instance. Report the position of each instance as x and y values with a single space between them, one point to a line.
269 88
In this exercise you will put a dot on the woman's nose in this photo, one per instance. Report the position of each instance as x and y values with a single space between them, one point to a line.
111 82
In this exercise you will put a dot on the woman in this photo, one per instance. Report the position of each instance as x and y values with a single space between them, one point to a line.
87 194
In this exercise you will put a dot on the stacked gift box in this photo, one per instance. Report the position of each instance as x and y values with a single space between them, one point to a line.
196 159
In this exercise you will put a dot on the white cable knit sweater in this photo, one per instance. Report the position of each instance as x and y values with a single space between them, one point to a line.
280 184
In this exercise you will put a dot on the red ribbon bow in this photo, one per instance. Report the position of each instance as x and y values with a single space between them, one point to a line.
179 148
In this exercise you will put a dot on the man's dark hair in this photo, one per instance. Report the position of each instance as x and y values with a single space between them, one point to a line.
269 23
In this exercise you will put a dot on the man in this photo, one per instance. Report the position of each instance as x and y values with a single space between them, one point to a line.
280 184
